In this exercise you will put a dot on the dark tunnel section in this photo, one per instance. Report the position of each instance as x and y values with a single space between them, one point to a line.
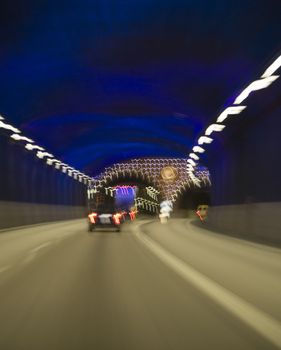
32 191
189 200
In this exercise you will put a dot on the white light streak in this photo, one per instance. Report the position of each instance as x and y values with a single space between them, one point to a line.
204 139
272 68
50 161
198 149
41 154
194 156
18 137
31 147
190 161
230 110
9 127
214 127
255 85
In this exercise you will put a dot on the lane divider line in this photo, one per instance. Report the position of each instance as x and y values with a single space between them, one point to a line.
5 268
261 322
41 246
33 252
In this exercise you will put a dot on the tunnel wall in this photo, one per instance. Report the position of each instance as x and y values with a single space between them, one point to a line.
32 191
245 165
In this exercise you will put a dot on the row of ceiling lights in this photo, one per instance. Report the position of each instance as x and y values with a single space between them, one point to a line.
263 82
266 79
42 154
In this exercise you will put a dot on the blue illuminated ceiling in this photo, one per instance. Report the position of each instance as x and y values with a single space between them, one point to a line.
101 81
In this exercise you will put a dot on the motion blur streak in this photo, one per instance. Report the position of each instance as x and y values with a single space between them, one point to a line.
64 288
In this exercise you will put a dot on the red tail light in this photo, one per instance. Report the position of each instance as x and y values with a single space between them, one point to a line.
92 217
133 214
116 218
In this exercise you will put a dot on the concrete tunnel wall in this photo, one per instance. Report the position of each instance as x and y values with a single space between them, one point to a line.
245 166
32 192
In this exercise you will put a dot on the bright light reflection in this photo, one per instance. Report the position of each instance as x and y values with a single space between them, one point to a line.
198 149
31 147
41 154
51 161
194 156
204 139
214 127
272 68
189 167
230 110
17 137
255 85
190 161
8 127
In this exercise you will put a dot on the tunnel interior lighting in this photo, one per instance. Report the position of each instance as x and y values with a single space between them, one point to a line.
266 80
254 86
230 111
9 127
31 147
272 68
204 139
41 154
193 156
190 161
150 169
214 127
51 161
198 149
18 137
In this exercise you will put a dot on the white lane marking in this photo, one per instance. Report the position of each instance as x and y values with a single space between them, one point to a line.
261 322
5 268
41 246
33 252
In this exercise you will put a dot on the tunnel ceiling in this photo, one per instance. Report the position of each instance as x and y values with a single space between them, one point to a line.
98 82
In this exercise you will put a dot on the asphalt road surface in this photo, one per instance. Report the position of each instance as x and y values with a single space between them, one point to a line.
152 286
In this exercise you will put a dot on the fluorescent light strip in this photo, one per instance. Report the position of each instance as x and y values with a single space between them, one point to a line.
204 139
198 149
9 127
214 127
230 111
41 154
31 147
18 137
190 161
194 156
254 86
272 68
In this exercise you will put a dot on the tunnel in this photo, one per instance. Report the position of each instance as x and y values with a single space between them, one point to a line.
170 111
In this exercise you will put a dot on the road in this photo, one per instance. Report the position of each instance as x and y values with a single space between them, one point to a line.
152 286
